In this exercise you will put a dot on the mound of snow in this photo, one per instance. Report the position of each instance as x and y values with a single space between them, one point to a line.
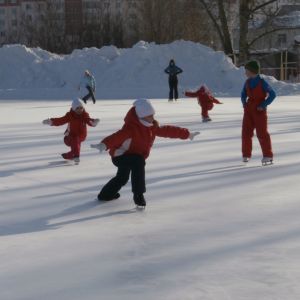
120 73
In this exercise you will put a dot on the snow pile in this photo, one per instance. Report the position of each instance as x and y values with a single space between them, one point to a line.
120 73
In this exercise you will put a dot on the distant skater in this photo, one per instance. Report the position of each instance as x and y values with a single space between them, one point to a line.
77 119
88 82
205 99
173 71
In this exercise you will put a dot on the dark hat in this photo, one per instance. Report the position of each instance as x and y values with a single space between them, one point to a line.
253 66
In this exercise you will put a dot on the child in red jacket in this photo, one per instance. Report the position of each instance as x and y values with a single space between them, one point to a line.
77 119
130 147
205 99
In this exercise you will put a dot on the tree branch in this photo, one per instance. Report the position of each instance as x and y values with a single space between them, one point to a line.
213 19
262 5
262 35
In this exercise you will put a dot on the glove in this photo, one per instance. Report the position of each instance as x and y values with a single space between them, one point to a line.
193 134
47 122
95 122
101 147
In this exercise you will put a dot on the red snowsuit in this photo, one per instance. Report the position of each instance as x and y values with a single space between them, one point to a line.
135 138
129 148
76 132
205 100
254 119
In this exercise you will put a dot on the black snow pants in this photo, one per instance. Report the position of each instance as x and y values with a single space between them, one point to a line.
89 95
173 83
126 164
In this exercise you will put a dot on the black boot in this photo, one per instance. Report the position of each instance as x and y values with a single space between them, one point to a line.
116 196
139 199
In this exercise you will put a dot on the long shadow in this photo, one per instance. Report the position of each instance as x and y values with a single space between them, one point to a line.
199 258
221 170
43 224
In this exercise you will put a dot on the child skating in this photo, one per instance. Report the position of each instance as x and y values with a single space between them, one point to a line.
77 119
256 96
130 146
88 82
205 99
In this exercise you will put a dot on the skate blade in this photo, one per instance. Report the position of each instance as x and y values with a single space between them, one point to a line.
140 208
269 163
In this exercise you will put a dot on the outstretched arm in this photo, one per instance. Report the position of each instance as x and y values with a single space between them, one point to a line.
191 94
172 132
90 121
60 121
216 101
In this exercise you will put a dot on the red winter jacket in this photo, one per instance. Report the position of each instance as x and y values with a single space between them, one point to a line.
76 123
135 138
204 96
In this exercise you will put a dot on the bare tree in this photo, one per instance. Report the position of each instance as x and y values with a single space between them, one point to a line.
217 11
160 20
247 10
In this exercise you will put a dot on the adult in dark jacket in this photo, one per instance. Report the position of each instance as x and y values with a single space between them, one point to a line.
173 70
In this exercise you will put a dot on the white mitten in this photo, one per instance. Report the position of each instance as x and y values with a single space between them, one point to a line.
101 147
47 122
95 122
193 134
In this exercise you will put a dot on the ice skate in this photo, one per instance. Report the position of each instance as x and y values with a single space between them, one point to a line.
76 160
246 159
267 161
68 156
139 200
207 119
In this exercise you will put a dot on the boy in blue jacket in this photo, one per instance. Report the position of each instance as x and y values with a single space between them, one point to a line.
256 96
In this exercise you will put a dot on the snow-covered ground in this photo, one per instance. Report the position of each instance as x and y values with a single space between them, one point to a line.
213 228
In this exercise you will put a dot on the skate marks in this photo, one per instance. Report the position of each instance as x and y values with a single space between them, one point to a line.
83 212
61 163
210 171
136 208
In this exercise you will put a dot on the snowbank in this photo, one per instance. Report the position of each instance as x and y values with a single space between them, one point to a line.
33 73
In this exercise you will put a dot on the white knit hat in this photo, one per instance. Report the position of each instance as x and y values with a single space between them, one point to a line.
143 108
77 102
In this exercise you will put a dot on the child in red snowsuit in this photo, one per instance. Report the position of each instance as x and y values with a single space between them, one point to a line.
130 146
256 96
205 99
77 119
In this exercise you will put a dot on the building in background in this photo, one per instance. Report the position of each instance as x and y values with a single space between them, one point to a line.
67 21
279 51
